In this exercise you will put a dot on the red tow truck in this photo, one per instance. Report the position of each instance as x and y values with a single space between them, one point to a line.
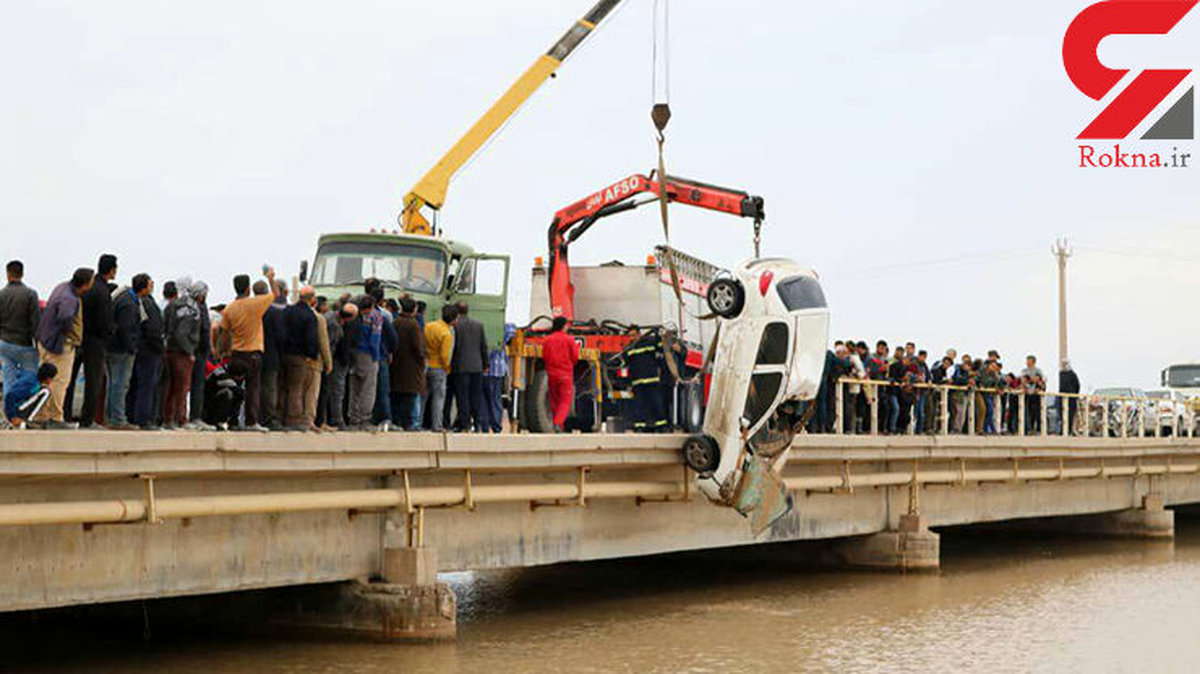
602 303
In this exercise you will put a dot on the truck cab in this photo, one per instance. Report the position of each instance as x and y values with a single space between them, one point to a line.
432 270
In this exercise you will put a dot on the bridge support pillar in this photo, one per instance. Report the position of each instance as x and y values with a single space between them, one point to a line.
1151 520
408 605
410 566
911 547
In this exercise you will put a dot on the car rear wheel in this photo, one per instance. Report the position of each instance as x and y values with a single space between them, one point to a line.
701 454
726 297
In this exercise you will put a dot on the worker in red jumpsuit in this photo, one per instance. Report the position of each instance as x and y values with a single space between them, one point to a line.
560 353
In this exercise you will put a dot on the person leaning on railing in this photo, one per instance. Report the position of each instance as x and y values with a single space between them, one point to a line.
897 397
877 370
1009 417
837 366
922 375
960 400
1068 382
1034 382
978 367
854 402
989 385
939 375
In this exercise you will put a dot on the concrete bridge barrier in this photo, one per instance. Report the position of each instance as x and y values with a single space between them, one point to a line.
89 517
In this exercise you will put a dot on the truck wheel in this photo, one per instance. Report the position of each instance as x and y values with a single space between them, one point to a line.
701 454
536 417
726 297
691 408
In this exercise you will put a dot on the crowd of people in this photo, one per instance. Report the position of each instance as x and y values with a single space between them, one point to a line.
367 362
258 363
908 402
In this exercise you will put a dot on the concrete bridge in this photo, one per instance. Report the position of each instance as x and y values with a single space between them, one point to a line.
93 516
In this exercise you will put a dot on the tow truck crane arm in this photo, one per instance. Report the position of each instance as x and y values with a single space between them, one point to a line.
573 221
430 191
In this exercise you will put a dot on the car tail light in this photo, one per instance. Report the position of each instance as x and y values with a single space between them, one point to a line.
764 282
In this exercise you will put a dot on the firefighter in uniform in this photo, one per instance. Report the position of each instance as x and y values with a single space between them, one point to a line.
645 361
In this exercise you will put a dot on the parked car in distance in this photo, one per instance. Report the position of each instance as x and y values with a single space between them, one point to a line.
770 349
1126 405
1173 411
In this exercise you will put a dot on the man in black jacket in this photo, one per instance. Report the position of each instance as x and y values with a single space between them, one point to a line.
333 328
19 313
469 358
900 393
301 346
170 291
1068 382
128 315
147 364
97 329
274 339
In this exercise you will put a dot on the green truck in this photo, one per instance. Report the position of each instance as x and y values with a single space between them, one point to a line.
433 270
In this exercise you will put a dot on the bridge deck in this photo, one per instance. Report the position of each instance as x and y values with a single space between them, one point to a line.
94 516
106 454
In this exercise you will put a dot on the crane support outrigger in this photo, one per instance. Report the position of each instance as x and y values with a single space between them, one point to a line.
430 191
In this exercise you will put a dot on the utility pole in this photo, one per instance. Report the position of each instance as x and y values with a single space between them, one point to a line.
1062 251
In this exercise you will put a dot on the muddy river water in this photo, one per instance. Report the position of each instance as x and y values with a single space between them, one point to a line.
999 604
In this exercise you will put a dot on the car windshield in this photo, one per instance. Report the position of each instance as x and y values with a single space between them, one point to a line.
801 292
415 268
1183 376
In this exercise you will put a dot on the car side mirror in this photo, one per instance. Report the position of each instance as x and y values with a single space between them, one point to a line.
303 271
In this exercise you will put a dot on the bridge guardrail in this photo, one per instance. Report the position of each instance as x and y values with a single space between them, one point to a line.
955 410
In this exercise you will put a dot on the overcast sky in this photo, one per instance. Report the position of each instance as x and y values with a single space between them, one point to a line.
920 155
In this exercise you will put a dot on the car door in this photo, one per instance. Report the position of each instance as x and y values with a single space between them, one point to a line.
482 282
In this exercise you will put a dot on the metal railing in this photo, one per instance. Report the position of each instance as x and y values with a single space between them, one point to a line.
946 409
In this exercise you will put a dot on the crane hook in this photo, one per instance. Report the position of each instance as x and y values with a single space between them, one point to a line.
660 114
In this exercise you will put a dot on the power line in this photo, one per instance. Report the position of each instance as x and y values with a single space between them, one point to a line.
916 265
1136 251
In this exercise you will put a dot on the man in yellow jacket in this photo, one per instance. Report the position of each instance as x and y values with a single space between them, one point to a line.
439 347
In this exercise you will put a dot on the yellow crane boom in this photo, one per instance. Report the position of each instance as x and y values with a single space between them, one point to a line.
430 191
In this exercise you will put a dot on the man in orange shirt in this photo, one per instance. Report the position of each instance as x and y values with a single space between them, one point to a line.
242 320
560 353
